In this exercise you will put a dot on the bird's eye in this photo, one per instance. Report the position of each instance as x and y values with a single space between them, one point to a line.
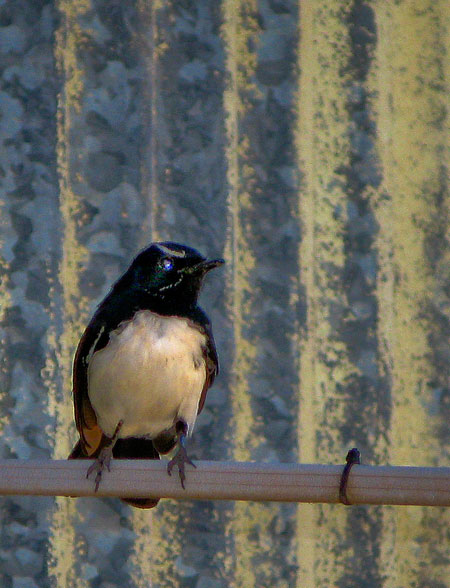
167 264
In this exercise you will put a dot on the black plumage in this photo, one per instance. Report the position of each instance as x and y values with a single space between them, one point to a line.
145 363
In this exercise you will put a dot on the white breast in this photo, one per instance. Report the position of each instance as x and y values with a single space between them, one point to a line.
150 374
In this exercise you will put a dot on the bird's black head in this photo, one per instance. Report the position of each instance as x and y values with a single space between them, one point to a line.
168 274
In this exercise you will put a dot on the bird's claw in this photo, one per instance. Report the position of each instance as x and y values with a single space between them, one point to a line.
180 459
103 460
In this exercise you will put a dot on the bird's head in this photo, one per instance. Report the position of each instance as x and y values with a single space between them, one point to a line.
169 272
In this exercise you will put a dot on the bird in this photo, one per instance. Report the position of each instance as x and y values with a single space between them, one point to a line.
144 364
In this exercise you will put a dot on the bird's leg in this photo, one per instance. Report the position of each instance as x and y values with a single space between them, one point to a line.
181 457
104 457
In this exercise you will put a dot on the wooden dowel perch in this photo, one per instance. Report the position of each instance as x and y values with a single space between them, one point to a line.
425 486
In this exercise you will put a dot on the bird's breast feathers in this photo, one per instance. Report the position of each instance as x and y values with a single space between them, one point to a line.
150 373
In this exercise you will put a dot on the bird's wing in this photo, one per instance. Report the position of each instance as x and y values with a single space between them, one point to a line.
211 363
92 438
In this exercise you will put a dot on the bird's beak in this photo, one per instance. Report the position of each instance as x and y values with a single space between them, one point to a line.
205 266
211 264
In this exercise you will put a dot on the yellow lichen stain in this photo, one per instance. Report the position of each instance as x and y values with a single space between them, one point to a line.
240 32
251 541
62 535
5 303
69 38
166 560
62 542
237 247
322 148
141 561
409 103
5 295
74 256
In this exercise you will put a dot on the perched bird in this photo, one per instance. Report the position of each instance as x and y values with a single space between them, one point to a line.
144 363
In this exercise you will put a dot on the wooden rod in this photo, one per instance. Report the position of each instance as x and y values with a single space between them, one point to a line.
212 480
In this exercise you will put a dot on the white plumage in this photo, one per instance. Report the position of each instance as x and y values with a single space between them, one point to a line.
150 374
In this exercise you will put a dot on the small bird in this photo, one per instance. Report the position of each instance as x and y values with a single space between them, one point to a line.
145 363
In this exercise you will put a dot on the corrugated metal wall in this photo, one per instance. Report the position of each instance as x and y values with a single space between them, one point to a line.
307 143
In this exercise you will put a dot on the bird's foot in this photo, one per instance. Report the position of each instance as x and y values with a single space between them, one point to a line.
353 458
180 459
103 460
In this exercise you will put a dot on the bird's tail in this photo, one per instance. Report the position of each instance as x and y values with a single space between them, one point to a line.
130 448
77 452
